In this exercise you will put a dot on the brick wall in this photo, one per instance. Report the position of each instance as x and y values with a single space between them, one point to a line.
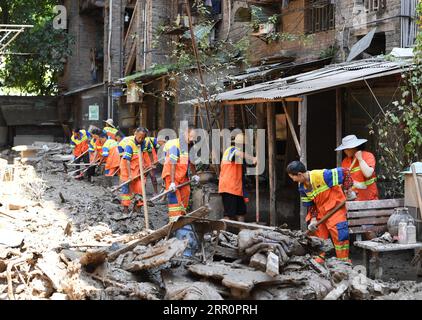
86 32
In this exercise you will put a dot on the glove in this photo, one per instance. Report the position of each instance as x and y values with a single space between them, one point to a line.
359 185
172 187
351 195
195 179
313 225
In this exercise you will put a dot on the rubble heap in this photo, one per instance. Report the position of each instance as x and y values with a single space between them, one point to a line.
69 241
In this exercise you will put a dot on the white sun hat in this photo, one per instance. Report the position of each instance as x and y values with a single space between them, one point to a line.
110 122
350 142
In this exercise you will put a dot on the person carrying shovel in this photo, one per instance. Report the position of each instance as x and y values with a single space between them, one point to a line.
129 170
175 172
321 192
79 143
176 177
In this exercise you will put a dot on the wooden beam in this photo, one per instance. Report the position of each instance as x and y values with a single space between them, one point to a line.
272 162
246 225
303 106
292 129
255 101
339 123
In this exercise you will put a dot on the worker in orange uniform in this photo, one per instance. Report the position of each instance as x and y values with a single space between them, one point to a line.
175 172
362 168
150 146
232 180
95 152
129 168
111 157
321 191
110 129
80 144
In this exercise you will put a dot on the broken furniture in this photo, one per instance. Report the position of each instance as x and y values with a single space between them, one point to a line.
382 248
370 216
27 153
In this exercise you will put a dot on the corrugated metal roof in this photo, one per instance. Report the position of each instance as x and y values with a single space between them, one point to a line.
328 77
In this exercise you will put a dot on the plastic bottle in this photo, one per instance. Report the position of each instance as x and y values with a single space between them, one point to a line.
402 232
411 233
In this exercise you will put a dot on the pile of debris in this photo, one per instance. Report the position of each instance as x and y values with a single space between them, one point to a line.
70 241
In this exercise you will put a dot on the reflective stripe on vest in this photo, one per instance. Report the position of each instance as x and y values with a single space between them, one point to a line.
135 150
317 179
362 183
111 130
83 138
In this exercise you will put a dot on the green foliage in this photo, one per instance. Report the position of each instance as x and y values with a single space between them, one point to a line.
217 57
38 72
328 52
398 130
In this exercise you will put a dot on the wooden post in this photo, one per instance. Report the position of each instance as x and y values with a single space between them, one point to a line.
257 218
339 124
144 192
292 129
303 107
272 161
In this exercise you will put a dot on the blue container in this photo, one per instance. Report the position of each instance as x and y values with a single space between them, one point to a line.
187 233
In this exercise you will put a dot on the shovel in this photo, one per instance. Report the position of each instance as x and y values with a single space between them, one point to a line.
86 169
151 201
126 182
328 216
73 161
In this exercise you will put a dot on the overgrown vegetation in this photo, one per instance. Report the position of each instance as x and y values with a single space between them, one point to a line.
217 57
45 49
398 129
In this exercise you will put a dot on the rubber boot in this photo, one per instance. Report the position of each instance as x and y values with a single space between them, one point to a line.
125 210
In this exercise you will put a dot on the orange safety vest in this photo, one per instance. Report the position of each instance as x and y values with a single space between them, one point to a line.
173 152
111 132
231 174
81 145
322 195
365 188
111 153
134 161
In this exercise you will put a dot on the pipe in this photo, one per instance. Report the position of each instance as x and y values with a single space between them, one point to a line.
110 29
145 36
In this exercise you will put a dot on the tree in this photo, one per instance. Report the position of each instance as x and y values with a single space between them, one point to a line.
45 49
399 129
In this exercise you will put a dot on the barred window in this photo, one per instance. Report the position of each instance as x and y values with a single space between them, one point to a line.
375 5
319 16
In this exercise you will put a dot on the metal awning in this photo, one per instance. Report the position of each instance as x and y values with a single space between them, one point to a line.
147 74
331 76
82 89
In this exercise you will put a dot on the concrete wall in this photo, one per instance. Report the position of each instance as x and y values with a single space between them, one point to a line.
353 22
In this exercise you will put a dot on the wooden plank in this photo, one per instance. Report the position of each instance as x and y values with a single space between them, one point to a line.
379 228
292 129
272 162
260 100
369 213
375 204
162 232
245 225
303 107
384 247
339 123
359 222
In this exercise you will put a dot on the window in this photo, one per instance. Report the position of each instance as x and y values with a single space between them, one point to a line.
375 5
319 16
